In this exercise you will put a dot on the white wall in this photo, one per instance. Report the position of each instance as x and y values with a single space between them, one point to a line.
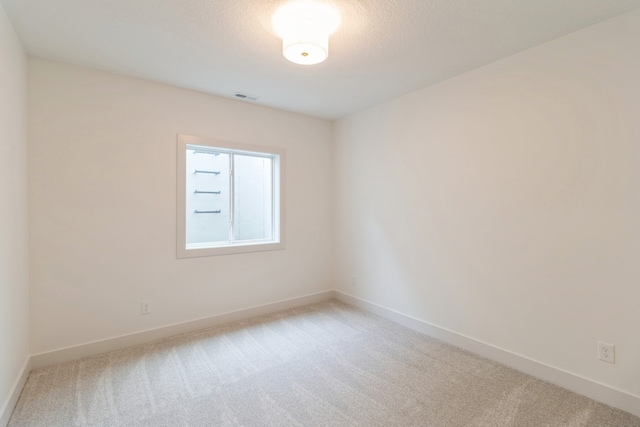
14 276
504 204
102 197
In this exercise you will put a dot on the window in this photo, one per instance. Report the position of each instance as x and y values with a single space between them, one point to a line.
229 197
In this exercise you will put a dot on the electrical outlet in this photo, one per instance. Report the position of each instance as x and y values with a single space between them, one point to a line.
606 352
146 307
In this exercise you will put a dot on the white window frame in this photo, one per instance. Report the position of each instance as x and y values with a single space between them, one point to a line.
278 241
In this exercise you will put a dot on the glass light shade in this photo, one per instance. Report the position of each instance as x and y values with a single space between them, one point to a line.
305 26
306 49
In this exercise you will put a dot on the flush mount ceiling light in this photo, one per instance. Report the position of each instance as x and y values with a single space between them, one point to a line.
305 26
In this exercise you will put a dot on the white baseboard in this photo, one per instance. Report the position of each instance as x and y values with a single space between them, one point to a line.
586 387
97 347
7 408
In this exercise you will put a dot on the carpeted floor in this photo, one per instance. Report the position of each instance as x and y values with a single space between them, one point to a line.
322 365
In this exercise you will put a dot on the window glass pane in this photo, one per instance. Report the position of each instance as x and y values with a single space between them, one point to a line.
253 198
207 192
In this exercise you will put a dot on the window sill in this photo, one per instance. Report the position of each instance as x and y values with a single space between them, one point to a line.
238 248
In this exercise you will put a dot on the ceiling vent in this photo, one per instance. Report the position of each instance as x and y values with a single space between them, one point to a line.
245 96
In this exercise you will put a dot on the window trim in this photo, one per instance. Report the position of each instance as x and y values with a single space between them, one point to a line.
278 241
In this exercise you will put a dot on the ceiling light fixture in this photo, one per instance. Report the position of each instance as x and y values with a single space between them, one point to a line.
305 26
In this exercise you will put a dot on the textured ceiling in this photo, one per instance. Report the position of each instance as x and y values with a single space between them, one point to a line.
383 49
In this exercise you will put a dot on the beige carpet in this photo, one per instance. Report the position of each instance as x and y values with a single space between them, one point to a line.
321 365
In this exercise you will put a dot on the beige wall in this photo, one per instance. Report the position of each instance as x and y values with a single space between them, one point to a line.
103 206
14 277
504 204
